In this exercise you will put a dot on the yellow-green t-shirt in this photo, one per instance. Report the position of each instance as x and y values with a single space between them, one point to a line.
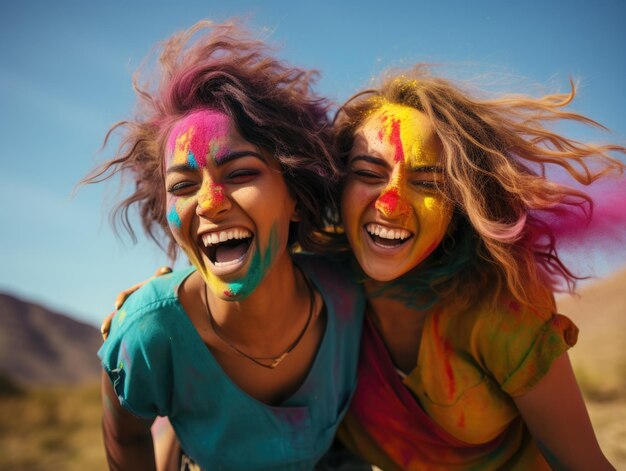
454 410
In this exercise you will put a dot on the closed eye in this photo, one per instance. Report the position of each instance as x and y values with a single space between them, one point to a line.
428 185
241 176
181 188
368 176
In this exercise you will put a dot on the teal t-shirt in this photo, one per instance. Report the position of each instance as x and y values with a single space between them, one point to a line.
159 366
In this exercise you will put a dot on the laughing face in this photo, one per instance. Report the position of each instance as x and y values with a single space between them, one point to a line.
393 213
228 206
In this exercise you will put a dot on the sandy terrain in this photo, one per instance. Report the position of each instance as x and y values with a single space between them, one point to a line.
599 359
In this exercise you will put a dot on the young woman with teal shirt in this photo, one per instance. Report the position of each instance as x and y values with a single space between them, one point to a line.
251 352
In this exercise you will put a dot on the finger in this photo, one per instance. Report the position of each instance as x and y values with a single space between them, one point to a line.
162 271
106 325
121 298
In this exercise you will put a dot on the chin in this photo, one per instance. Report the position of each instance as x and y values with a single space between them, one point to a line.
381 274
232 291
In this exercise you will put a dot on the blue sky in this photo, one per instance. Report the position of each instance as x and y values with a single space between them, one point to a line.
65 72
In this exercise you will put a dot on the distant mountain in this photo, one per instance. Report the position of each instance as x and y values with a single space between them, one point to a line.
41 347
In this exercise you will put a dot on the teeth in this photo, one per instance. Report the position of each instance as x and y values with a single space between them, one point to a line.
387 233
212 238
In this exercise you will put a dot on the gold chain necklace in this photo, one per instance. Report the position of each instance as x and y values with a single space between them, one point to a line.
274 361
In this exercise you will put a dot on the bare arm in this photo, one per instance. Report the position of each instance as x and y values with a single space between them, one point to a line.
556 415
127 439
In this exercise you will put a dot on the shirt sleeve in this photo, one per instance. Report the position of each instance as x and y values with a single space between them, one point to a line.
518 344
137 358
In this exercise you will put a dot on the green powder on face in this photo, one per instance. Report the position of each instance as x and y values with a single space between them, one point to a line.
259 265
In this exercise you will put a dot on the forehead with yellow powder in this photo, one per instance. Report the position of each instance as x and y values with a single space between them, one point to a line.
408 131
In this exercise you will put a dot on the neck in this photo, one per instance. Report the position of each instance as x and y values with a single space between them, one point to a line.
387 308
413 289
267 316
399 326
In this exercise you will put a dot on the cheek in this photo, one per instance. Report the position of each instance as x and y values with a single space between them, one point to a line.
173 217
177 209
435 216
354 201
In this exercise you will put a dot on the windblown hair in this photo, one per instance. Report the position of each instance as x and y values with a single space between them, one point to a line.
495 156
272 105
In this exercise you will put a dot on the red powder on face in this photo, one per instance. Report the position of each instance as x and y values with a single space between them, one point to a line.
390 203
229 294
461 422
217 193
396 140
212 198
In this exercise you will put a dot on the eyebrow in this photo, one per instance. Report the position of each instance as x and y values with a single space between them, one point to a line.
382 163
238 155
221 161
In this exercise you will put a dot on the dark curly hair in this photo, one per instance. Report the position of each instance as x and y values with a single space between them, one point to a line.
220 66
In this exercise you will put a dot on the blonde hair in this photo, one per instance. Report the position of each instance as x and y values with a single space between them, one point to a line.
495 155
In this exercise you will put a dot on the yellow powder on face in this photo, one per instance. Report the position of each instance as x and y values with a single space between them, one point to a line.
181 150
409 132
430 203
402 131
215 284
211 196
406 131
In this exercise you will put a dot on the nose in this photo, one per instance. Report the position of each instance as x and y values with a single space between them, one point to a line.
212 200
392 202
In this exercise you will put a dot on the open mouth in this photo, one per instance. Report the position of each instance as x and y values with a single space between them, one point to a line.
227 247
386 236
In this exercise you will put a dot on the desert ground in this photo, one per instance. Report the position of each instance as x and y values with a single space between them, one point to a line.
599 359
